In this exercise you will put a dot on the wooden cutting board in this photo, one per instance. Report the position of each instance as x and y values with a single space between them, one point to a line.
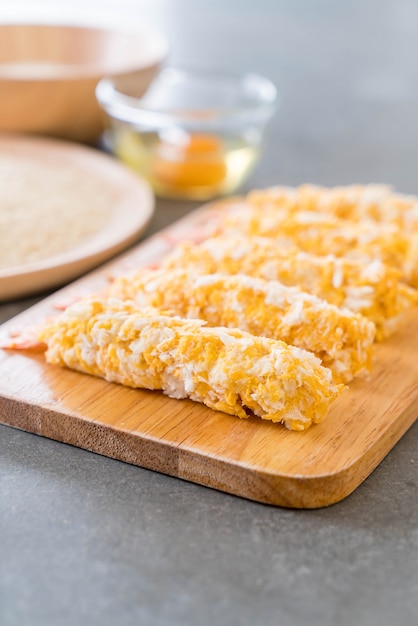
250 458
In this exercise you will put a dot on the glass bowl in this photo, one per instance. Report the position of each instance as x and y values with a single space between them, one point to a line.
193 135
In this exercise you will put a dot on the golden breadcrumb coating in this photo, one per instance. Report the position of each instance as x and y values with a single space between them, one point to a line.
342 339
228 370
372 289
354 202
324 234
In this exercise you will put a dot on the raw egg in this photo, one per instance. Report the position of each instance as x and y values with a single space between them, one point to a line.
197 160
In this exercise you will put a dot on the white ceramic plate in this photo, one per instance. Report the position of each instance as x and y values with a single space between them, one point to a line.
131 203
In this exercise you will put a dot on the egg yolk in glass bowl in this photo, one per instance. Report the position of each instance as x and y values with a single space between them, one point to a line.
194 162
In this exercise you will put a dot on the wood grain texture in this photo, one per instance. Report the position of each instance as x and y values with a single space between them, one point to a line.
250 458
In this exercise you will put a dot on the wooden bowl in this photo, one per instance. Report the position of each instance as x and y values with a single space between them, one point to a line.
48 75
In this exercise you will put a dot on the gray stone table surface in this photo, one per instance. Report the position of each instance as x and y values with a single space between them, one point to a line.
89 540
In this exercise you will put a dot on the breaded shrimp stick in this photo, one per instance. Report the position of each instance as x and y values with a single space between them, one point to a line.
372 289
322 234
342 339
354 202
227 370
